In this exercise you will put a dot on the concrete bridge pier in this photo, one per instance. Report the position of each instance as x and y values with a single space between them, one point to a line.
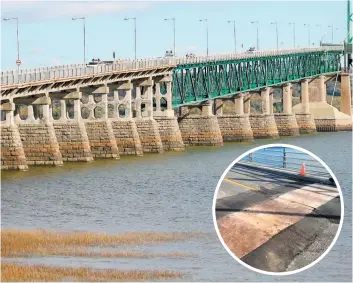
286 121
147 127
234 124
123 124
264 125
198 125
304 118
37 132
168 124
12 153
98 127
346 95
327 118
71 131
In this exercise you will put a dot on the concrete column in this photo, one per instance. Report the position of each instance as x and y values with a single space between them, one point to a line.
207 108
158 97
63 111
149 104
138 102
346 92
271 102
46 112
77 110
105 102
305 96
287 99
169 98
8 108
322 89
128 110
30 113
247 107
239 104
218 107
265 101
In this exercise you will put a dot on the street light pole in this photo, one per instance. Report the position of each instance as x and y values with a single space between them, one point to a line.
293 33
18 62
126 19
308 25
235 36
172 19
205 20
275 23
257 34
319 26
84 37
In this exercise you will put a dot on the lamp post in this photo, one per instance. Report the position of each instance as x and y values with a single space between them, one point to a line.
205 20
275 23
126 19
257 34
84 37
293 33
308 25
235 36
18 61
172 19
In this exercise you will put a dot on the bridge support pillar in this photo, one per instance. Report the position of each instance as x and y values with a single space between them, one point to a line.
168 124
234 124
98 127
147 127
12 153
346 92
37 133
71 133
317 90
247 106
123 125
198 126
286 121
264 125
303 116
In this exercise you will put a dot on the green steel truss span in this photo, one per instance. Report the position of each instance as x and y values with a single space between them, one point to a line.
199 82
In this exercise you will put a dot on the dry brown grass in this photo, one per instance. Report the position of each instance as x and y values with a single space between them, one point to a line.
14 272
17 243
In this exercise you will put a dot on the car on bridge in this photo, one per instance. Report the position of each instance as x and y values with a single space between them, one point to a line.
250 50
190 55
98 62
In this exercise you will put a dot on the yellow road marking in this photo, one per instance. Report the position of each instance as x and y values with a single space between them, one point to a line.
239 184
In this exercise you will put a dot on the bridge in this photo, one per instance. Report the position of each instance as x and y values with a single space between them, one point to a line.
78 113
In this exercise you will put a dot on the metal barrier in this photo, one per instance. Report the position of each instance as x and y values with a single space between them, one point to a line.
14 77
287 158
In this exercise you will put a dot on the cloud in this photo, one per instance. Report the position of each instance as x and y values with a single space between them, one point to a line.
38 10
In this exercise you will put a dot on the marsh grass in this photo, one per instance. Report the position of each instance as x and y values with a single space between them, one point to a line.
19 243
14 272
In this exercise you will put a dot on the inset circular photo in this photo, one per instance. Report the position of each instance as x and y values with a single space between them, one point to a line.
278 209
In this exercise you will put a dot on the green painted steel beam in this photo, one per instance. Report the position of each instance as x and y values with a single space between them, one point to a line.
193 83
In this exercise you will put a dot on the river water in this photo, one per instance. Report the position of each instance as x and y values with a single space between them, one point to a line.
166 192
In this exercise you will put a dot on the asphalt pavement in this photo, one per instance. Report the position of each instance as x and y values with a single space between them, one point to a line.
273 222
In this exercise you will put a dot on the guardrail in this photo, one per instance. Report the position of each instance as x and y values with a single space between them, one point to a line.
40 74
288 159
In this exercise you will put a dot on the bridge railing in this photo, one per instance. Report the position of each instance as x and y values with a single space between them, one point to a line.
288 159
57 72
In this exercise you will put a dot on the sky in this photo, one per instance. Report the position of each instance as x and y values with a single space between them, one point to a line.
48 36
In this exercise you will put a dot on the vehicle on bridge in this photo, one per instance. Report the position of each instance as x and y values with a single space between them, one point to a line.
250 50
169 53
190 55
98 62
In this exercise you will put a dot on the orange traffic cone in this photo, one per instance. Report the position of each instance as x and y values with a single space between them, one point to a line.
302 170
